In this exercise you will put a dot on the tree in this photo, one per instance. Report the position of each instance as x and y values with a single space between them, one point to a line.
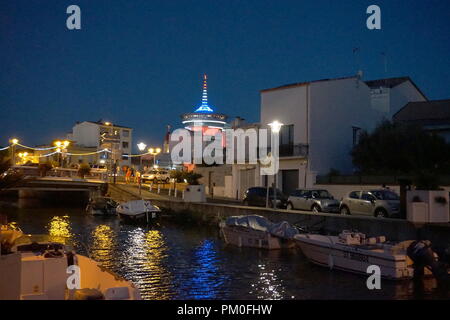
8 177
400 149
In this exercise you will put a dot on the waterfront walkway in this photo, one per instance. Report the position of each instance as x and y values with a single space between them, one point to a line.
214 210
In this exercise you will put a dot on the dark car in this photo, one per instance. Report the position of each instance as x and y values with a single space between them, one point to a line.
256 196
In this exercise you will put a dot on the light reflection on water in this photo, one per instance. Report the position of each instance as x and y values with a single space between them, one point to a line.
144 263
190 262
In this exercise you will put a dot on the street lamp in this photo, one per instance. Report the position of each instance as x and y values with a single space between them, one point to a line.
112 159
13 142
141 146
61 146
154 152
275 127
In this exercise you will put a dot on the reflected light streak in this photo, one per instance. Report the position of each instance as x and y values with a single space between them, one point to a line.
103 243
59 228
268 286
146 255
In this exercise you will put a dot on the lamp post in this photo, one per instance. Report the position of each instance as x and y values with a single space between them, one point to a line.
13 142
112 158
141 146
275 127
154 152
61 148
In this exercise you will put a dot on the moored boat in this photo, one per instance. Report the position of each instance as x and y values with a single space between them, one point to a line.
33 268
257 232
353 252
137 210
101 206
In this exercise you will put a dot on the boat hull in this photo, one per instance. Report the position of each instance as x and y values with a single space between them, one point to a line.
354 260
144 216
247 237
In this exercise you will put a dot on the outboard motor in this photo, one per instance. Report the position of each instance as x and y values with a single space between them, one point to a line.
422 255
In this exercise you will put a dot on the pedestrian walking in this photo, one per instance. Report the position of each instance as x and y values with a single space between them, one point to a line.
128 175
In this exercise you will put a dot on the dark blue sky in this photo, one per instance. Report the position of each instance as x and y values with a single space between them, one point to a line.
140 62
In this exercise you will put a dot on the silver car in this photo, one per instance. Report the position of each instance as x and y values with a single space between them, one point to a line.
378 203
156 176
316 200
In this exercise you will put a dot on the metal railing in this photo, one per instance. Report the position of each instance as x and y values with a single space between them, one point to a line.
29 171
293 150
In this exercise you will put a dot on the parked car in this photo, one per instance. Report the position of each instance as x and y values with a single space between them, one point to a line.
156 176
316 200
378 203
99 167
256 196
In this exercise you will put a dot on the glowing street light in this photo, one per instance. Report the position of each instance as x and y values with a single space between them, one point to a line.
275 127
61 146
154 152
13 142
141 146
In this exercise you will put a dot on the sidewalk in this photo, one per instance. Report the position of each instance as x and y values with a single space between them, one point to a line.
164 193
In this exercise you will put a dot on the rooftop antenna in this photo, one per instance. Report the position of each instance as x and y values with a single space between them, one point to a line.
384 55
356 56
359 73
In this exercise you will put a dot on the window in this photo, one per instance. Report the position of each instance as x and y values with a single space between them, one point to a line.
367 196
354 195
356 134
287 135
385 195
125 156
125 145
126 133
306 194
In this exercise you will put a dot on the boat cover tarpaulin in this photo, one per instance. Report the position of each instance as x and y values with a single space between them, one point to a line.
281 229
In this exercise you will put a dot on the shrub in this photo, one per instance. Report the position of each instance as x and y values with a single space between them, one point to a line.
192 177
84 170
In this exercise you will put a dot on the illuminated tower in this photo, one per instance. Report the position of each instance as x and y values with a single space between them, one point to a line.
204 118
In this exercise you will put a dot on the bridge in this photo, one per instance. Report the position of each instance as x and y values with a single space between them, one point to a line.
58 180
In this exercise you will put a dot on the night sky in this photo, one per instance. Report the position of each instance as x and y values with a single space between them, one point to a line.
140 63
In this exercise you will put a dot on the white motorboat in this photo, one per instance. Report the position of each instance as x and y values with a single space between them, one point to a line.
353 252
138 209
257 232
31 269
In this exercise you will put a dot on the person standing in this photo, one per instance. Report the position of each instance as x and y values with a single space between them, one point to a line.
128 175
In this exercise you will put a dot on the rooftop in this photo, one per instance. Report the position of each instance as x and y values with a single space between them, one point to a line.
392 82
425 112
298 84
387 82
102 123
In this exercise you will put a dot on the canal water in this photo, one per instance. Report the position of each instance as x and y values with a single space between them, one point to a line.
178 261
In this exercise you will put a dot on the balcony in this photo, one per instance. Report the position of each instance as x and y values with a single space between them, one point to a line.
293 150
106 137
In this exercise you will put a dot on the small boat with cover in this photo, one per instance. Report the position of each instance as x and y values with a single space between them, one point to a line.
257 232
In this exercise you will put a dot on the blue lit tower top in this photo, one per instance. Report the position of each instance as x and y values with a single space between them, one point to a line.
204 118
204 106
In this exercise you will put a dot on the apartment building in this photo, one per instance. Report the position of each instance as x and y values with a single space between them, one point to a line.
101 135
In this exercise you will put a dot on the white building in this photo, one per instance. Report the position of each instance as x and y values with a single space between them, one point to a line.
321 123
432 116
103 135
